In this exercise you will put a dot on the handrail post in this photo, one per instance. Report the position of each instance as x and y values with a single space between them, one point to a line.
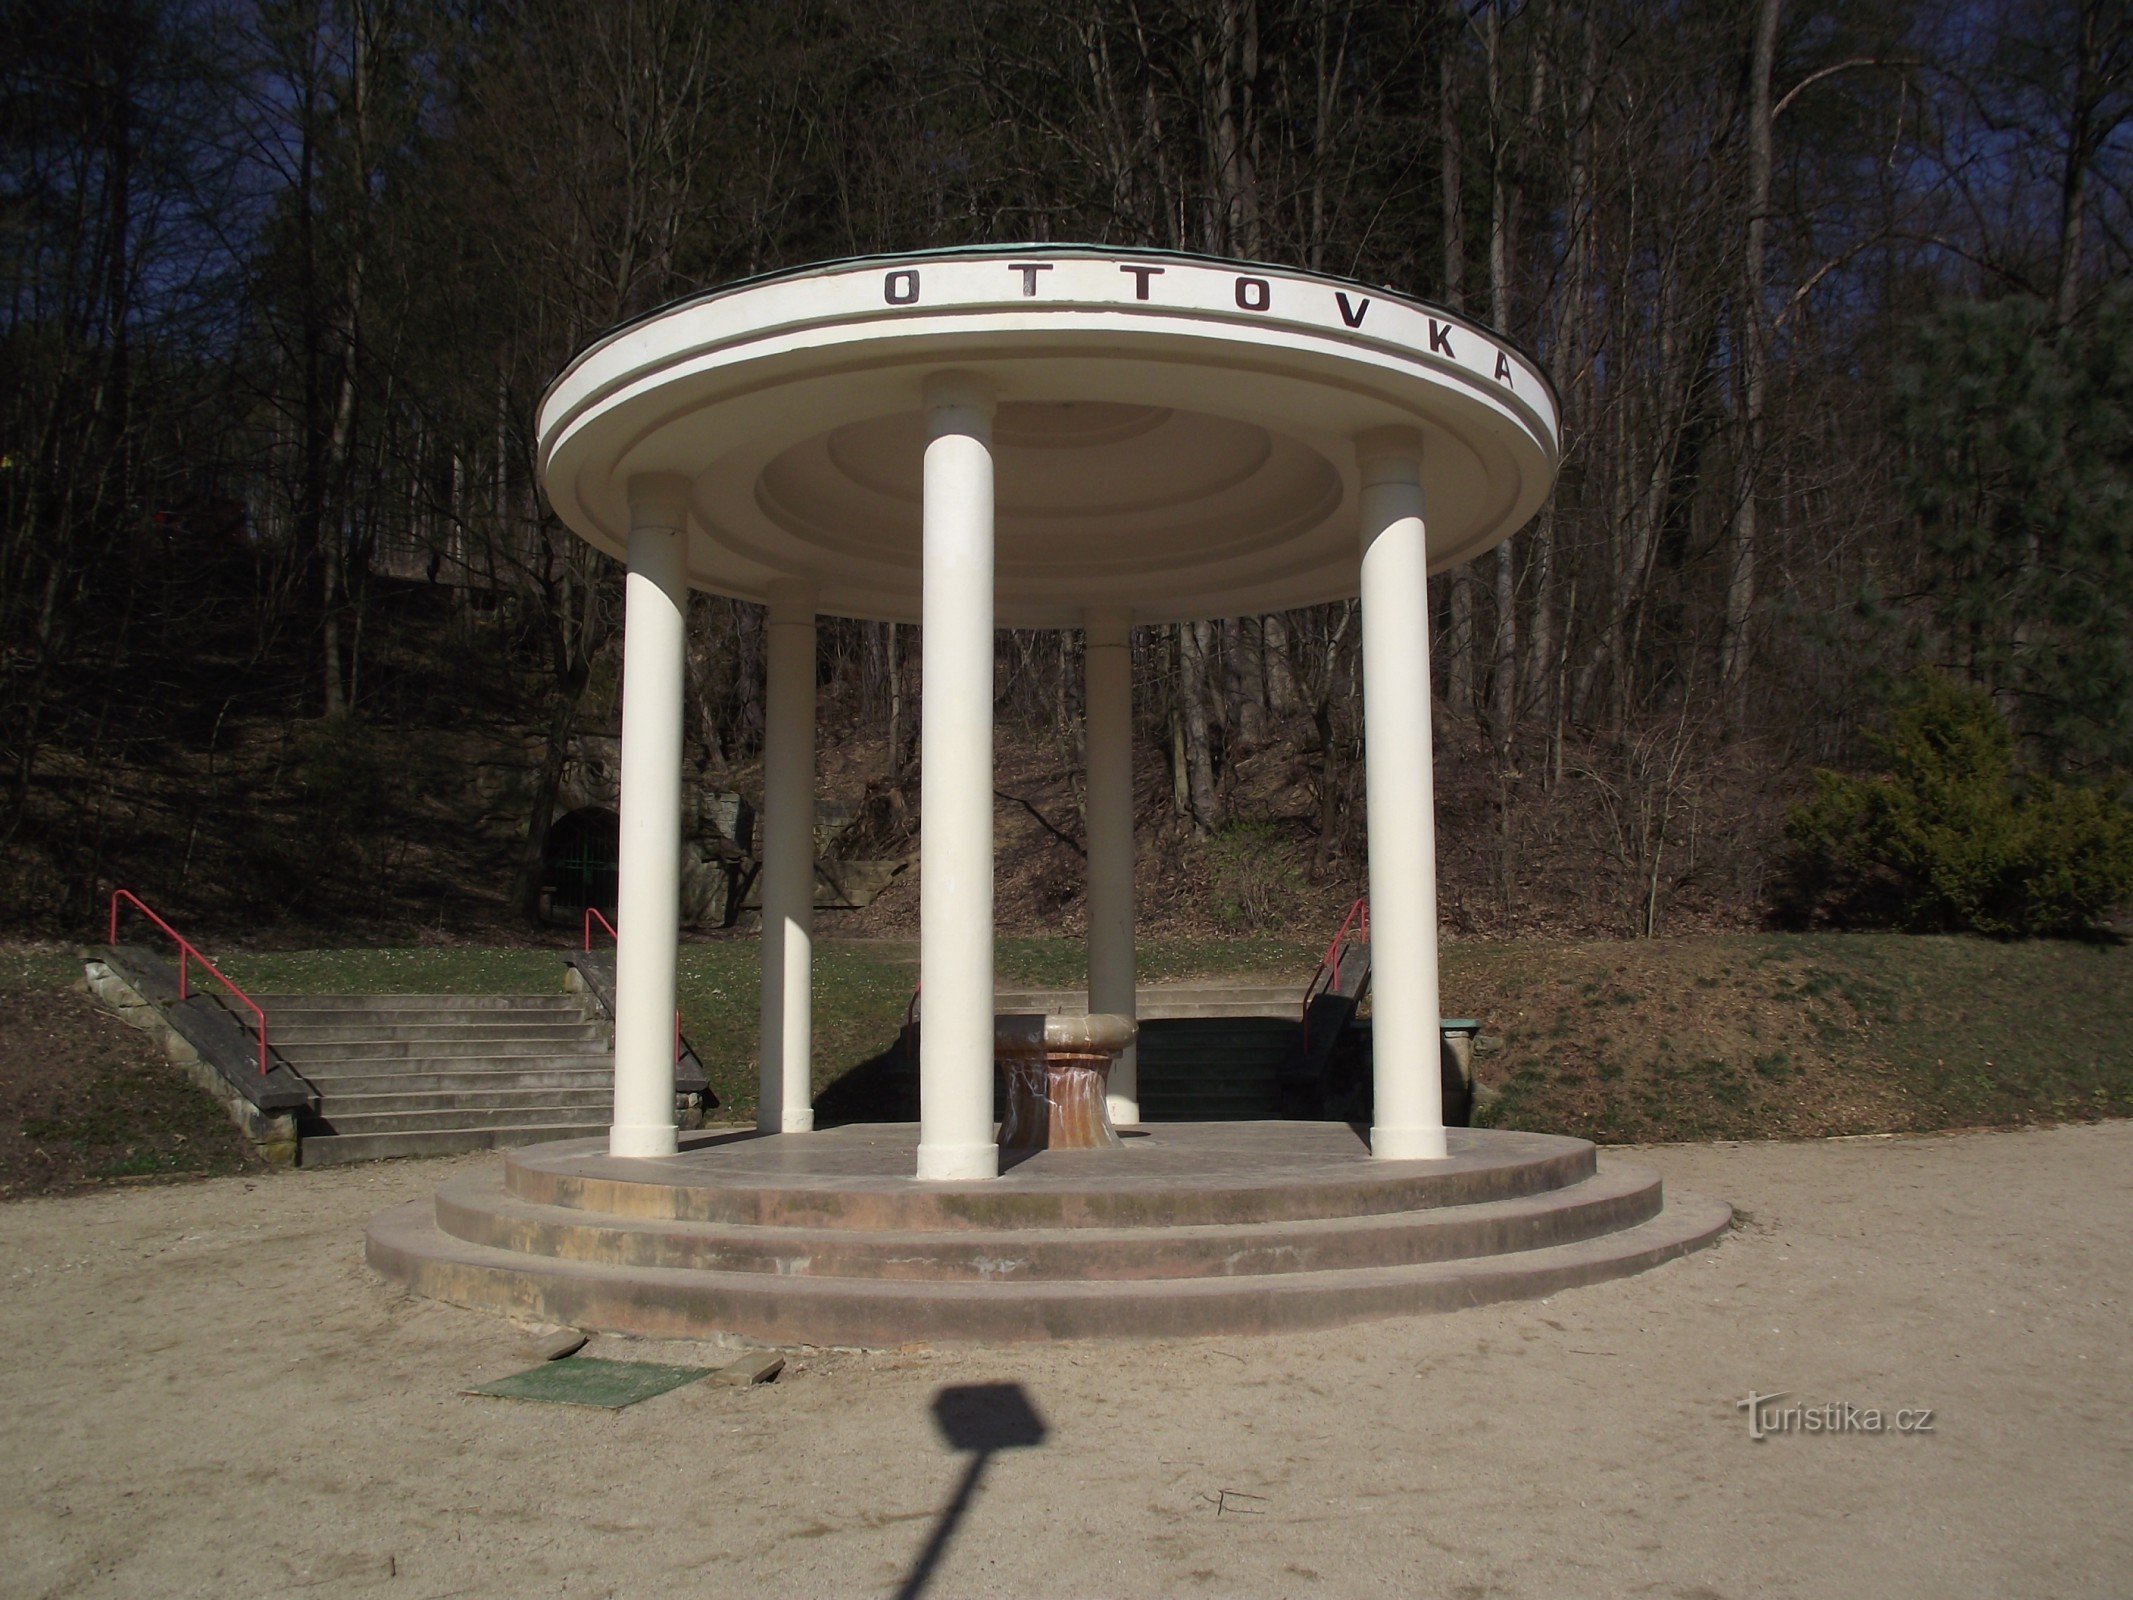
1329 966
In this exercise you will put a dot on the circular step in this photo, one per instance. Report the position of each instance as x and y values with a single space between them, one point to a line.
1192 1228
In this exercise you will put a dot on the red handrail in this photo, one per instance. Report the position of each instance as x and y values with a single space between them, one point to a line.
592 915
1329 967
187 952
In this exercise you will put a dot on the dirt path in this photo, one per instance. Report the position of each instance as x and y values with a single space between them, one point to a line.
206 1393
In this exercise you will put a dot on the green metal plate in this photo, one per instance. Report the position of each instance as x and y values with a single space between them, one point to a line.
583 1381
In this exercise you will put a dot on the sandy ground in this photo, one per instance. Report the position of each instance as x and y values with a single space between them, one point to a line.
206 1393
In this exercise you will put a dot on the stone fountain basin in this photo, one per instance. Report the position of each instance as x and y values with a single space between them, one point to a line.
1058 1072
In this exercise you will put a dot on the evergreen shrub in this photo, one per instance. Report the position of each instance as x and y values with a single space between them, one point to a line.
1954 836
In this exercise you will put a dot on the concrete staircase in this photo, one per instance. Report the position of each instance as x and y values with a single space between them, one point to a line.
1208 1052
421 1075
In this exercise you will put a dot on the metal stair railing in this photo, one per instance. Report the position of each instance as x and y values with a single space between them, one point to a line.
592 915
1331 973
187 953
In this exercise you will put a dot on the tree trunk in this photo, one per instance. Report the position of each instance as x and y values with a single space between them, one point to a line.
1233 70
2083 136
1503 657
1548 650
1451 152
1193 694
547 780
896 706
1734 651
1275 643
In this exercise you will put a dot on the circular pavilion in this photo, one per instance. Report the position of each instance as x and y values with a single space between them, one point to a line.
1027 436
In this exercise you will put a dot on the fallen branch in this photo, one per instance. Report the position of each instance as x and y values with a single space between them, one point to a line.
1043 822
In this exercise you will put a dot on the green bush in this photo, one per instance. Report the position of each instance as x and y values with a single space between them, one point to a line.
1954 837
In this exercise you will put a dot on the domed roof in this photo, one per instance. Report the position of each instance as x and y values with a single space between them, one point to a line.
1174 433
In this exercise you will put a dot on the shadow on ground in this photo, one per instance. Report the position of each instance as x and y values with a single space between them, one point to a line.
981 1418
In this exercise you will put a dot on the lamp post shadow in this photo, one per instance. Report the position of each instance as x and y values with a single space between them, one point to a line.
981 1418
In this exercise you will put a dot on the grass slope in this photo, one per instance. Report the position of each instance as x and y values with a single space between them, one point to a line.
1728 1036
1756 1036
85 1100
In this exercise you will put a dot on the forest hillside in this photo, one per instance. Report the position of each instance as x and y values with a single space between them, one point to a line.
1835 293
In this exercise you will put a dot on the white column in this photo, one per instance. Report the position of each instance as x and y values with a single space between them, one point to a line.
955 1069
648 895
1409 1119
785 1099
1109 738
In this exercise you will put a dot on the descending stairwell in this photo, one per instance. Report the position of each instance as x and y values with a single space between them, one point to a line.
1209 1052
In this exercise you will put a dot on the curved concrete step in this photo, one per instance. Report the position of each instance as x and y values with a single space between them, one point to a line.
1181 1175
479 1210
408 1245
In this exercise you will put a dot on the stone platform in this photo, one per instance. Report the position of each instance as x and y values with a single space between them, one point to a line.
1190 1228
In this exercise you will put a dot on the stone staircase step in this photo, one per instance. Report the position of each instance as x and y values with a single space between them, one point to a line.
440 1033
363 1101
408 1244
1271 1173
327 1150
1288 992
447 1004
1163 1003
434 1074
397 1017
296 1052
337 1119
397 1076
1174 1010
478 1209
